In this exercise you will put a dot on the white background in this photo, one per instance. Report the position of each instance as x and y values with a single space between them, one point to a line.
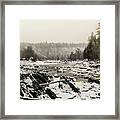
15 106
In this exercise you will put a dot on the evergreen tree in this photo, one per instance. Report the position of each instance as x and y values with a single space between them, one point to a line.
92 51
28 53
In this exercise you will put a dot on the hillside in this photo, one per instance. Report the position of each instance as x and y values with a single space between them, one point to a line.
53 50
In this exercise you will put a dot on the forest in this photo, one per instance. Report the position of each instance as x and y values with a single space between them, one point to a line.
63 51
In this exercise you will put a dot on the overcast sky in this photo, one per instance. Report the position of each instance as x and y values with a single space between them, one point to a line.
67 31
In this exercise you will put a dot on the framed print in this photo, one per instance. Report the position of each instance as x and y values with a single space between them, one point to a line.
60 60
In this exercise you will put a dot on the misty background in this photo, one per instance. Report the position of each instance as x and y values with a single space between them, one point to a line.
59 39
67 31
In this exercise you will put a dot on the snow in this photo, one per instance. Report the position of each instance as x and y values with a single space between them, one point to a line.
76 72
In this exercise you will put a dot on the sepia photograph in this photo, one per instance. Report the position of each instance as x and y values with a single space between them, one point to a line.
59 59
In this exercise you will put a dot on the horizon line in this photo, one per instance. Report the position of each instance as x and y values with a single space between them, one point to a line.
55 42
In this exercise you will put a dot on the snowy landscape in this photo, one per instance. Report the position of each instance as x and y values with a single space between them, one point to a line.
60 80
60 59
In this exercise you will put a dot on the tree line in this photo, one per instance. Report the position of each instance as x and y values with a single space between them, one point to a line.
90 52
